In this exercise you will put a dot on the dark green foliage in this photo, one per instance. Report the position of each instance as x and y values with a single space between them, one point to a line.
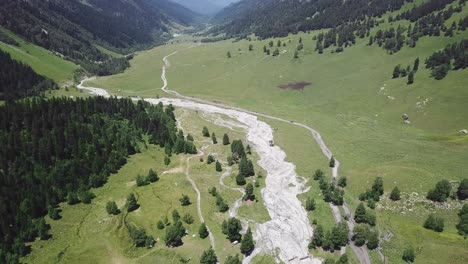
247 244
462 226
440 62
210 159
208 257
360 216
318 238
131 203
213 138
248 150
342 182
250 47
377 187
237 149
249 195
73 28
185 200
213 191
86 196
439 72
167 160
54 213
233 227
174 234
8 40
373 240
396 71
343 260
18 80
332 162
371 203
410 78
416 65
141 181
334 239
318 175
140 239
222 206
152 176
218 167
228 54
462 192
310 204
434 223
240 179
189 137
233 260
205 132
226 139
72 198
188 219
230 160
160 225
296 54
175 216
361 233
203 231
441 191
276 52
111 208
408 255
395 194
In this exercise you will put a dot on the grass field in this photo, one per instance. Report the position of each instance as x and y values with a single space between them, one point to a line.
42 61
355 104
87 234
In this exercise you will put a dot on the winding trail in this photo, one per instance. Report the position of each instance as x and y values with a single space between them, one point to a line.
288 232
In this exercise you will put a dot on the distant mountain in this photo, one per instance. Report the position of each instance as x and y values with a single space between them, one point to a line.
73 28
268 18
205 7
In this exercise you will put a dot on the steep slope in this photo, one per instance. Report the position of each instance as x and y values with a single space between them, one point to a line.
205 7
268 18
70 28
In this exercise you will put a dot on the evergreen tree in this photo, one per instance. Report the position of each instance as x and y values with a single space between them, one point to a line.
342 182
249 195
210 159
149 242
240 179
203 231
408 255
206 132
377 187
229 54
247 244
160 224
175 216
111 208
318 175
462 225
131 203
410 78
434 223
141 181
441 191
226 139
233 228
167 160
332 162
361 233
218 167
462 192
396 71
209 257
264 49
373 240
185 200
250 47
416 65
213 138
318 237
296 54
248 150
371 203
72 198
395 194
310 204
343 259
152 176
189 137
53 213
188 218
233 260
360 215
173 236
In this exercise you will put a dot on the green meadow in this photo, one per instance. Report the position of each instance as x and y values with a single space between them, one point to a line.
42 61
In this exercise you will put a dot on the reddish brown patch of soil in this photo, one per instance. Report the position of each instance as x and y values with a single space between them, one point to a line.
294 86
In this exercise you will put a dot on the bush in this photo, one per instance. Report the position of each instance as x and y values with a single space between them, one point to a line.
395 194
111 208
462 192
152 176
434 223
188 218
408 255
185 200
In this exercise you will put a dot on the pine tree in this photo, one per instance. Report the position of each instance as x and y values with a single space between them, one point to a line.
240 179
111 208
248 150
175 216
208 257
250 47
396 71
377 187
462 192
332 162
203 231
185 200
226 140
410 78
360 215
218 167
205 132
342 182
152 176
395 194
233 260
141 181
318 237
233 227
310 204
416 65
264 49
131 203
408 255
373 240
210 159
229 54
441 191
462 225
247 244
249 195
213 138
160 224
167 160
318 175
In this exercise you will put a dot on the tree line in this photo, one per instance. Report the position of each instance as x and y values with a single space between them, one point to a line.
57 149
18 80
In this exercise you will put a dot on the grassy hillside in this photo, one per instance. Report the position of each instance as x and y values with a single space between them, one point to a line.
357 106
42 61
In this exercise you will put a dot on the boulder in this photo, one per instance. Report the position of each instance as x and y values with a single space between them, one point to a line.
405 117
463 132
407 122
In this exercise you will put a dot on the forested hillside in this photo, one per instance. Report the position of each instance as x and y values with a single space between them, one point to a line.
18 80
55 150
73 28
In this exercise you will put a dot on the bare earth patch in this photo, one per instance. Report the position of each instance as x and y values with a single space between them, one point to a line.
294 86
